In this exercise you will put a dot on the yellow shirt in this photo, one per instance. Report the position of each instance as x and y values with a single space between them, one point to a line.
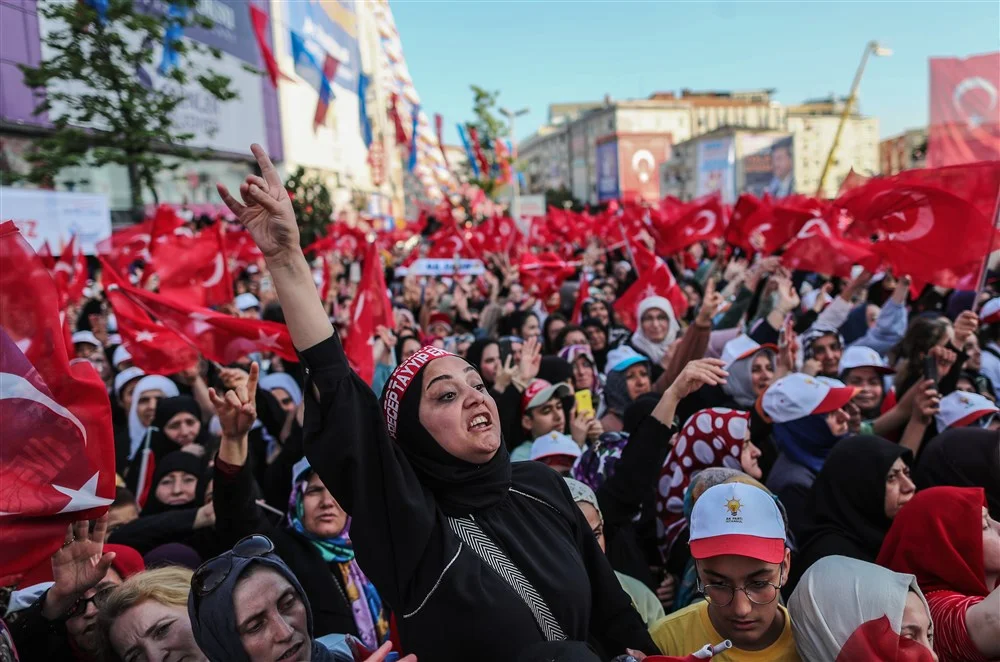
689 629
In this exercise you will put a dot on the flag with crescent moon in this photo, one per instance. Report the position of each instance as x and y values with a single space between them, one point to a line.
965 110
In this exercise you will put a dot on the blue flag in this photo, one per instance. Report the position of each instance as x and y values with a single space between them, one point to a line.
468 149
306 64
413 139
175 30
101 7
366 124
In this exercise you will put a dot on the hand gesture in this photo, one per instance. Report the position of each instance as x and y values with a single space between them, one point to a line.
266 211
78 566
854 417
531 359
788 350
710 304
386 335
945 359
926 403
205 517
237 410
821 298
383 652
666 592
788 298
695 375
966 326
232 378
506 372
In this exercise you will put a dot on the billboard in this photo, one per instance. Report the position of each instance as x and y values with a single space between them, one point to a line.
768 164
56 216
639 159
716 169
219 125
322 28
607 171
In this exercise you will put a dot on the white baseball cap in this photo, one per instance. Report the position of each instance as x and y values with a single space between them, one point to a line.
798 395
120 356
553 444
741 347
622 358
857 356
540 391
740 519
990 312
246 301
959 409
125 376
86 337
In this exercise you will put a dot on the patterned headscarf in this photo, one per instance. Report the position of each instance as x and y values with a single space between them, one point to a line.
597 463
366 603
710 438
571 352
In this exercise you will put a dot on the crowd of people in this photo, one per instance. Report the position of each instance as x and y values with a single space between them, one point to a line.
796 467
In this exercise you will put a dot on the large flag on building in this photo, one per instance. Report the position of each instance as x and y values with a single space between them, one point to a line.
57 455
965 110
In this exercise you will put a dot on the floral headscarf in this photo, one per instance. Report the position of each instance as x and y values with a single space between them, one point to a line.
710 438
572 352
366 603
597 463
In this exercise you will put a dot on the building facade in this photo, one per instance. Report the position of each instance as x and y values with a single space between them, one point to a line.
903 152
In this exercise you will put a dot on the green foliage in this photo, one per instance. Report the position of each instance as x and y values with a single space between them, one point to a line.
311 202
91 75
490 127
559 198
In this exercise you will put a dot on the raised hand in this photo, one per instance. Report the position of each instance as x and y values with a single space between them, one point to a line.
531 359
237 410
966 326
78 566
266 211
695 375
710 304
382 653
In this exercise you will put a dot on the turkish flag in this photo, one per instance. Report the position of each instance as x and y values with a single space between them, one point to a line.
542 275
70 273
656 281
45 255
965 110
582 293
126 246
819 248
154 347
57 458
699 220
876 640
195 268
259 19
241 250
763 226
218 337
369 309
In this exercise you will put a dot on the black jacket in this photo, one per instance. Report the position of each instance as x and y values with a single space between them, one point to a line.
237 516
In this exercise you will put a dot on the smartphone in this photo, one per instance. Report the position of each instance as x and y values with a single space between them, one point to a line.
930 369
506 349
584 402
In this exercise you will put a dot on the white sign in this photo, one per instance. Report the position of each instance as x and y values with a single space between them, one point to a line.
429 266
56 216
532 205
228 126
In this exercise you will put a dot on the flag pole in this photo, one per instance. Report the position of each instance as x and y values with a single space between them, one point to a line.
985 270
628 248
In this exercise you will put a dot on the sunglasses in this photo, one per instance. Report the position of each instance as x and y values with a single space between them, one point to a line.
210 574
99 599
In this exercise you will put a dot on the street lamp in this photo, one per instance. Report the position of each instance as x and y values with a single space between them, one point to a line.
515 203
871 48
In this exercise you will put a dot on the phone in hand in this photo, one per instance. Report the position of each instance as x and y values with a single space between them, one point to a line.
584 402
506 349
930 368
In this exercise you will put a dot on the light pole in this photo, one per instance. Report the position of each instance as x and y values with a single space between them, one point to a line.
515 203
871 48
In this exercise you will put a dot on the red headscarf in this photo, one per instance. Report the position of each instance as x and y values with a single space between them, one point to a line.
710 438
938 536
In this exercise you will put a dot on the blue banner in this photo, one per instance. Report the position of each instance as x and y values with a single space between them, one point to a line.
468 149
366 124
330 27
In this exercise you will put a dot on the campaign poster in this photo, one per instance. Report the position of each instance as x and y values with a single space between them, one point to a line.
716 169
607 171
768 164
640 158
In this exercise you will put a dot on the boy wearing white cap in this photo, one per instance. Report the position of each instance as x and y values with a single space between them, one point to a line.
738 544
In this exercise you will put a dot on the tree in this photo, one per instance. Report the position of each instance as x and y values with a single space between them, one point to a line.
561 198
108 109
489 127
311 202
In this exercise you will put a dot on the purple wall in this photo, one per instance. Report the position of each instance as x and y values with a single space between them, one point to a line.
20 44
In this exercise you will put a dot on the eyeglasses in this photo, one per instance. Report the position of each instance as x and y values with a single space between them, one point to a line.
210 574
99 599
759 593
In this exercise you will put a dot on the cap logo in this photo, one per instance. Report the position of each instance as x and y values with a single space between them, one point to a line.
733 508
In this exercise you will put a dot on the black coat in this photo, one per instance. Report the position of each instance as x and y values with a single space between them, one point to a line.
237 516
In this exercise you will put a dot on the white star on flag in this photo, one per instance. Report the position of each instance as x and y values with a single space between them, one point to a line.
268 340
199 323
650 291
145 336
83 498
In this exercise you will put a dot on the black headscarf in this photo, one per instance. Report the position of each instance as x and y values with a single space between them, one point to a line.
554 369
213 618
175 461
167 408
474 354
459 487
600 356
847 502
963 457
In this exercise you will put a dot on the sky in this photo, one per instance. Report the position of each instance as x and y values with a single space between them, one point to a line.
540 52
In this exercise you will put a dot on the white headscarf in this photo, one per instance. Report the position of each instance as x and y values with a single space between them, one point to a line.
837 595
655 350
136 430
285 382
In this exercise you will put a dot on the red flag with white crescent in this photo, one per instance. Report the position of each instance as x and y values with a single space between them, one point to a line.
57 456
965 110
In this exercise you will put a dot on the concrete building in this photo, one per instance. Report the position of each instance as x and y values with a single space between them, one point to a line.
903 152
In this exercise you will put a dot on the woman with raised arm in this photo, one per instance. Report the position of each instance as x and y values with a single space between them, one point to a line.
478 558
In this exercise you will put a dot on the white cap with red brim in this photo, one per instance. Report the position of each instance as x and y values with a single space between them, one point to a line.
554 444
738 519
858 356
959 409
798 395
742 347
990 312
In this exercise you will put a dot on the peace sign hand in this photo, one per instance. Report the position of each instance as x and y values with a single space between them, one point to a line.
266 211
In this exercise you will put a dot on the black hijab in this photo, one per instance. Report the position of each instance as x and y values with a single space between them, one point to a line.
167 408
555 369
175 461
963 457
600 356
459 487
474 355
213 618
847 502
